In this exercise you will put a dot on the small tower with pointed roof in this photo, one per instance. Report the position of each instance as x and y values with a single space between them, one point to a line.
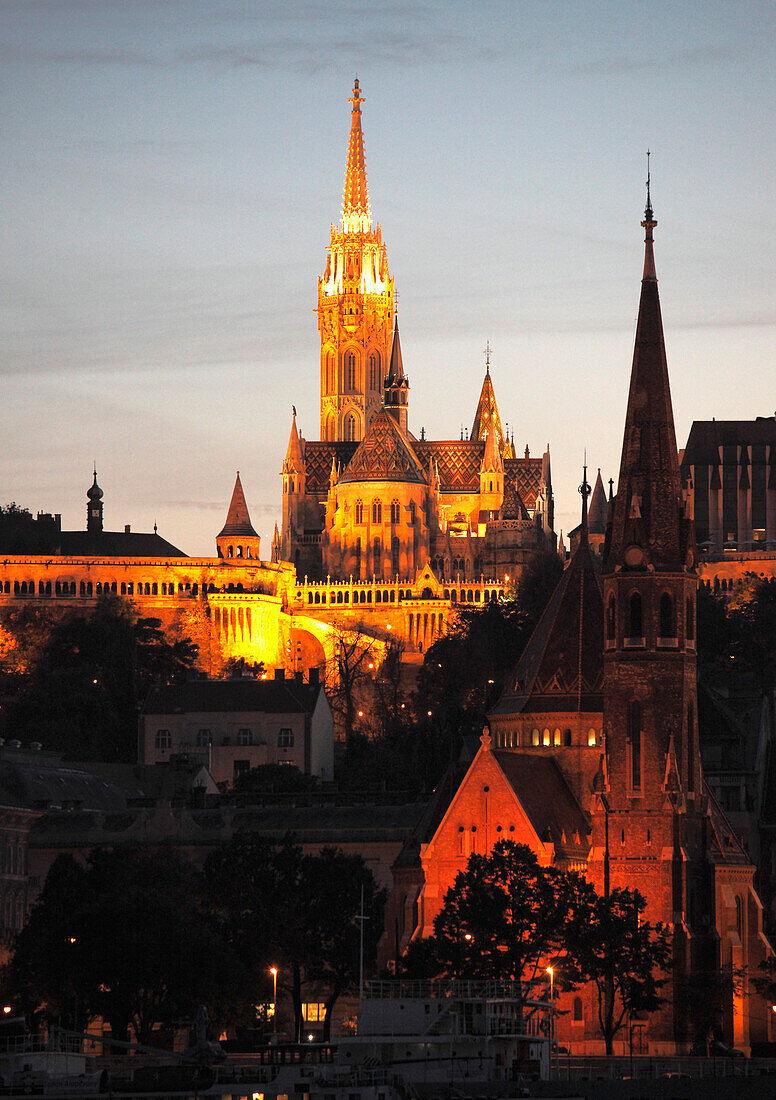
94 507
294 474
397 385
237 538
487 420
491 475
355 304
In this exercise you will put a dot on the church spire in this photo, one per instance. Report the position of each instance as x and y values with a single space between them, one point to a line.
646 524
397 385
294 460
486 419
355 204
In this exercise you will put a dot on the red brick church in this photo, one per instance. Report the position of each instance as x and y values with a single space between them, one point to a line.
597 734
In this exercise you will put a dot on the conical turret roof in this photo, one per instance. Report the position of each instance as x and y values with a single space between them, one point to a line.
487 418
599 508
384 454
396 368
238 522
294 458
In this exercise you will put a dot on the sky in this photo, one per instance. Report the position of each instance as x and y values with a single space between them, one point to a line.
169 170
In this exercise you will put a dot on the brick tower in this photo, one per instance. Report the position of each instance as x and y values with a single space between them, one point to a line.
650 790
355 305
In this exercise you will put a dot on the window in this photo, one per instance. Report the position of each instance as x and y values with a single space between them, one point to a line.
377 512
535 737
286 738
635 630
203 738
359 511
556 737
591 737
395 556
634 736
313 1012
546 737
378 553
395 511
667 629
412 513
350 372
328 374
244 737
576 1010
375 382
163 739
358 557
349 428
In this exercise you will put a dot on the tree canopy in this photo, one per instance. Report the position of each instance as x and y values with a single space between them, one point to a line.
507 917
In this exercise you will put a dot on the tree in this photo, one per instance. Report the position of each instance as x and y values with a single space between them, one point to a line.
77 687
349 675
274 779
296 912
128 938
620 953
506 916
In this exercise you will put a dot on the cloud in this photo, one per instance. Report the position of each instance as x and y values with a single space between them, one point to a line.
611 66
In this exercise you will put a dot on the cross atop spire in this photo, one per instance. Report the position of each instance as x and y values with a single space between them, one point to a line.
355 205
585 491
649 224
487 356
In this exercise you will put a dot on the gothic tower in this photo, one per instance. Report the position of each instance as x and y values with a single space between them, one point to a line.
397 385
355 305
649 795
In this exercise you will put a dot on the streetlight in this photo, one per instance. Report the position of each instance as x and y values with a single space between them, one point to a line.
274 972
551 972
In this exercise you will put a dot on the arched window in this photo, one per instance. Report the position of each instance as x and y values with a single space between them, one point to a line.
394 511
359 511
377 556
349 428
350 372
546 737
690 745
556 737
328 373
377 512
634 738
535 737
667 629
636 626
412 513
567 737
611 619
394 556
331 428
576 1010
591 737
690 624
375 382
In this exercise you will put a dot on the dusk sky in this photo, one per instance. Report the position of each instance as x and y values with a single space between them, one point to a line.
170 169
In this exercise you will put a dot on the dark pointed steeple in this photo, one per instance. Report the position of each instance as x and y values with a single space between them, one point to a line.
397 385
487 419
647 523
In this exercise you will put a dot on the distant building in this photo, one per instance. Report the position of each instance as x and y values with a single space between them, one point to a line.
236 725
370 500
23 534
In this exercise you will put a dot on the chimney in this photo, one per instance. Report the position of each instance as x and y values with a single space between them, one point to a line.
127 528
313 677
299 677
280 674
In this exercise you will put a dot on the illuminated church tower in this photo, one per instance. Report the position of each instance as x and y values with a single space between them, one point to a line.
355 306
